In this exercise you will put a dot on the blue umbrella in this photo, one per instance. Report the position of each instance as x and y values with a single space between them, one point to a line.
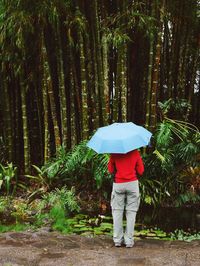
119 138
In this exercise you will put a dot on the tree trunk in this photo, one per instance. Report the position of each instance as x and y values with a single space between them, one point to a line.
66 71
148 97
105 77
53 79
97 47
7 117
52 103
92 112
85 126
46 153
155 74
23 89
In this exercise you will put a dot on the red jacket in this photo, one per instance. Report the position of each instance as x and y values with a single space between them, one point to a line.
127 166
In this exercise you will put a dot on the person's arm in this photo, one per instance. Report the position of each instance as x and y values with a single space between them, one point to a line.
111 165
139 165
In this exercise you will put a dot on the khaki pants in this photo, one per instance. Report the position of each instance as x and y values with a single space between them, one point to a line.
125 196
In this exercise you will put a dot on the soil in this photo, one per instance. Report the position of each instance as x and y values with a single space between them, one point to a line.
44 248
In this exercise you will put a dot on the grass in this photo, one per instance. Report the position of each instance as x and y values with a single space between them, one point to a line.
14 227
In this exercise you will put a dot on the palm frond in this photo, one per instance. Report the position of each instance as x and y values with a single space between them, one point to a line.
100 169
163 135
186 151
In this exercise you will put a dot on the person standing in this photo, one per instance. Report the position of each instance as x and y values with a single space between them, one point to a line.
125 194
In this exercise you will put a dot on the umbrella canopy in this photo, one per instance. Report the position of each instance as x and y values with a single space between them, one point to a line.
119 138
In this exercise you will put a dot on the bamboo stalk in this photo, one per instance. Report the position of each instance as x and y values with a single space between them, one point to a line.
7 121
155 75
148 98
77 100
17 136
45 98
105 77
72 118
53 113
92 111
62 99
23 89
116 90
65 42
124 84
50 56
97 45
85 126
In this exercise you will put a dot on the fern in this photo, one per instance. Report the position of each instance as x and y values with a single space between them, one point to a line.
80 161
74 159
100 169
63 198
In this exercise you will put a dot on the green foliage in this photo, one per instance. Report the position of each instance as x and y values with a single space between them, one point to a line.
8 176
177 145
98 166
184 236
176 108
78 163
60 222
117 37
65 198
55 208
187 150
20 211
60 197
41 182
150 191
4 204
151 233
118 27
163 135
187 198
2 151
14 227
15 210
66 163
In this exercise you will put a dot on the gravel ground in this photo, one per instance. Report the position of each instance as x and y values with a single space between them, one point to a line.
45 248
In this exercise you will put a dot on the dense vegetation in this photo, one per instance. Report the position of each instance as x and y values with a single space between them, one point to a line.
68 67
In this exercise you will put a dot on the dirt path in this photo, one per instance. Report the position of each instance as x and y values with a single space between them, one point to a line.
44 248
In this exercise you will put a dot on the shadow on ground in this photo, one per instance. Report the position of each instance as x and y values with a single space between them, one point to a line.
51 248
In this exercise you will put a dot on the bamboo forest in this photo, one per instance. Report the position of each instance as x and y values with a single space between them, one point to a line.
69 67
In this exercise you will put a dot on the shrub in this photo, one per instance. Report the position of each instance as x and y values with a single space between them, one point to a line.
8 177
55 207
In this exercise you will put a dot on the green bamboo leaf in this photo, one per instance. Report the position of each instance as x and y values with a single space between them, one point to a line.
1 182
159 155
37 169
